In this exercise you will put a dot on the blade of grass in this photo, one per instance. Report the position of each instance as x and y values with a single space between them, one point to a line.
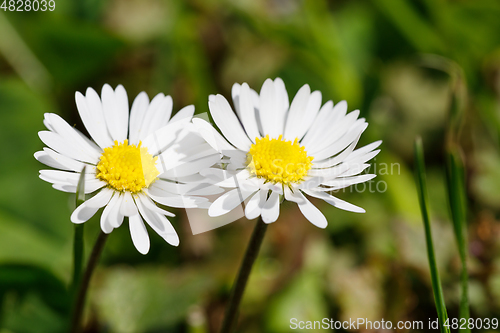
78 237
422 196
456 195
455 179
411 25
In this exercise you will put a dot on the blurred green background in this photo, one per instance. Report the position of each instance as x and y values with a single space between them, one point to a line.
397 61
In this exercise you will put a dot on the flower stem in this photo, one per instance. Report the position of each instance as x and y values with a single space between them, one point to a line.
242 279
82 291
77 257
78 238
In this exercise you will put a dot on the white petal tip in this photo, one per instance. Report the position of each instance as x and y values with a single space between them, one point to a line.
143 251
173 240
74 219
321 226
212 212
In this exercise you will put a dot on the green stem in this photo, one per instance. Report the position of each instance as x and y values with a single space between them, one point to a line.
243 275
458 207
82 291
422 196
78 249
77 257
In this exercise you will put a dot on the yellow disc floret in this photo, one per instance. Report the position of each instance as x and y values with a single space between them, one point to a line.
278 161
127 167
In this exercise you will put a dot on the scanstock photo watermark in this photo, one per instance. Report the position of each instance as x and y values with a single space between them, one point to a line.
374 184
354 324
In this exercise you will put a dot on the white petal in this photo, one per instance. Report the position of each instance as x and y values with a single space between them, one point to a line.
164 137
235 94
327 117
91 185
334 133
282 96
291 196
57 143
139 234
311 183
228 201
192 167
137 114
364 150
330 173
110 217
184 114
295 115
160 224
254 206
308 115
336 202
177 201
196 178
63 177
115 110
188 149
149 204
73 138
101 199
311 212
271 209
44 158
364 157
211 136
247 112
343 142
90 108
344 169
83 213
339 183
338 158
128 207
157 115
187 189
270 110
223 178
228 123
58 161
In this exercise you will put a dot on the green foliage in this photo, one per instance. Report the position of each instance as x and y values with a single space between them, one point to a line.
33 299
424 204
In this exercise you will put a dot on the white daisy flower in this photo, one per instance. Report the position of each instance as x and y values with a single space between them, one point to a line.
274 149
135 161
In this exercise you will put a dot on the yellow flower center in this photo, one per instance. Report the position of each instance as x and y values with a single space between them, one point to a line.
278 161
127 167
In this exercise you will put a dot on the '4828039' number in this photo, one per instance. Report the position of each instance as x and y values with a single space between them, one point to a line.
472 323
28 5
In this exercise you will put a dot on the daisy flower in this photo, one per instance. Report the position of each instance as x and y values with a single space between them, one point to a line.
133 162
273 150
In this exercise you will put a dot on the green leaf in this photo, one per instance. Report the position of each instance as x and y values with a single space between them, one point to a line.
20 242
71 51
456 194
418 32
422 196
30 315
27 279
